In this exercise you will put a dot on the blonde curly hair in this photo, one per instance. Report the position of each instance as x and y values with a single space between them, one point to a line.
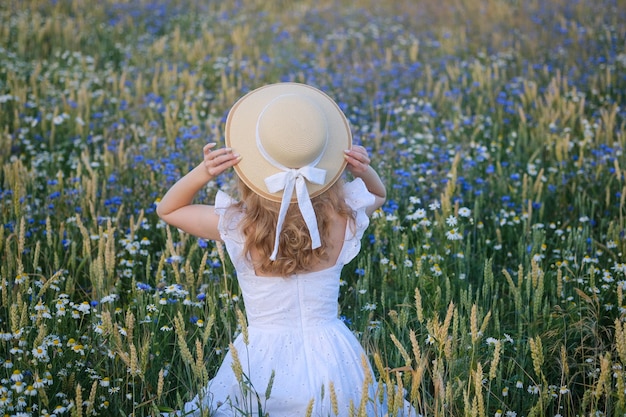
294 251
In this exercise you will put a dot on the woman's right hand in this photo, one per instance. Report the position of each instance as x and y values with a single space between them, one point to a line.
219 160
358 160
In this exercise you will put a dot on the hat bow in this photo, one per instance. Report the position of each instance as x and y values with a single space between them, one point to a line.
287 180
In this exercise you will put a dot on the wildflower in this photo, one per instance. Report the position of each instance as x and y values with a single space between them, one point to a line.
505 391
40 352
420 213
434 205
373 325
98 328
519 384
454 234
563 390
80 349
30 390
83 307
533 389
58 119
109 298
491 341
105 382
18 387
436 270
48 377
451 221
39 383
17 376
52 340
61 311
465 212
369 307
498 413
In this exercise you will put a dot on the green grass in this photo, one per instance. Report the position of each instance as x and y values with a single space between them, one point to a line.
491 283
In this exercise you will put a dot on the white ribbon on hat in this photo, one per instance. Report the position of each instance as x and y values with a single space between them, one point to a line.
287 180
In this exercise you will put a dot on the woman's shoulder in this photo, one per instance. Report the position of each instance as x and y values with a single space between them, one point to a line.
223 202
357 195
230 213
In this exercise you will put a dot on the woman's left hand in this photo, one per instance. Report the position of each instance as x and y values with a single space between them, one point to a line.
219 160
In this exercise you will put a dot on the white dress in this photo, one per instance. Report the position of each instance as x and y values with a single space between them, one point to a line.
294 333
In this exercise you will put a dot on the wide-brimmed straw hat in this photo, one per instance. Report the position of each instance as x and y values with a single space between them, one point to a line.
291 137
287 125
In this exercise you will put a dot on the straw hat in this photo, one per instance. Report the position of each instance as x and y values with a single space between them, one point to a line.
287 126
292 139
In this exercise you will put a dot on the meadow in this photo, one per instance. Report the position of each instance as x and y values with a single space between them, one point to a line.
490 284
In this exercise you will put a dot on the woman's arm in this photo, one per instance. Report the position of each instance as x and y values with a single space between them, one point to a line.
176 208
359 166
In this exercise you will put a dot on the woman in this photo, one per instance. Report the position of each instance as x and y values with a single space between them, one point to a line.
296 225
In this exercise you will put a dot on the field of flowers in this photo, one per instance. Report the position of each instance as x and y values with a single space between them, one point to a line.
491 283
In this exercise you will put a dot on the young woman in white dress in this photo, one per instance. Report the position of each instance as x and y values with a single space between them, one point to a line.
295 224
